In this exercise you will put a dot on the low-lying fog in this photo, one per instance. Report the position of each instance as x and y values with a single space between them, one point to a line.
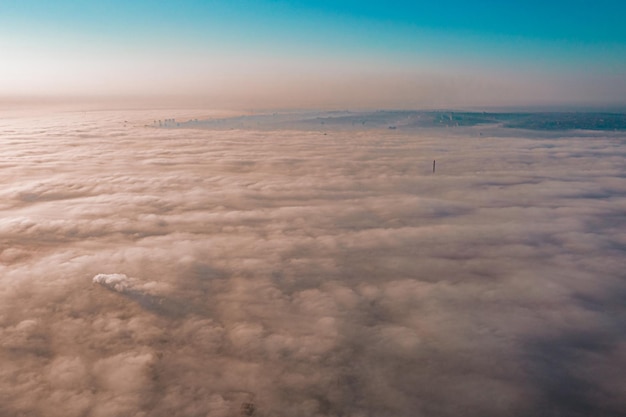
189 272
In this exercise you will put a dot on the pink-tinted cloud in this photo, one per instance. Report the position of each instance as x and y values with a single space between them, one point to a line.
178 272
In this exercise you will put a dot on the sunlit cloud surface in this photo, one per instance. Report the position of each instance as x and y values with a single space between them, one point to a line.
190 272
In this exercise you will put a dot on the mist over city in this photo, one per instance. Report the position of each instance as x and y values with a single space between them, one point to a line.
160 272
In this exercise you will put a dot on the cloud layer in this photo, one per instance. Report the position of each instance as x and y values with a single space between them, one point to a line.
149 272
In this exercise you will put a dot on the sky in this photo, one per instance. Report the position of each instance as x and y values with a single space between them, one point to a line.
172 272
318 53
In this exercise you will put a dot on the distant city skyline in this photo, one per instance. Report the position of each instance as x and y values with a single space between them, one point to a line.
322 54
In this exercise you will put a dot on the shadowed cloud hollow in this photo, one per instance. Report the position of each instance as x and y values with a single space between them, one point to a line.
309 272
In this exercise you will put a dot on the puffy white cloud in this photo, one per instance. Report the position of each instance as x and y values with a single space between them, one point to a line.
116 282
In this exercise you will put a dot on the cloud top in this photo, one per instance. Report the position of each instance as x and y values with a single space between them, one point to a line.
189 272
116 282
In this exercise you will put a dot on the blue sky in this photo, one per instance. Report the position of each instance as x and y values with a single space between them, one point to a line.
319 53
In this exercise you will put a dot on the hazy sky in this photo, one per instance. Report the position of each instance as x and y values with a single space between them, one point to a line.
318 53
